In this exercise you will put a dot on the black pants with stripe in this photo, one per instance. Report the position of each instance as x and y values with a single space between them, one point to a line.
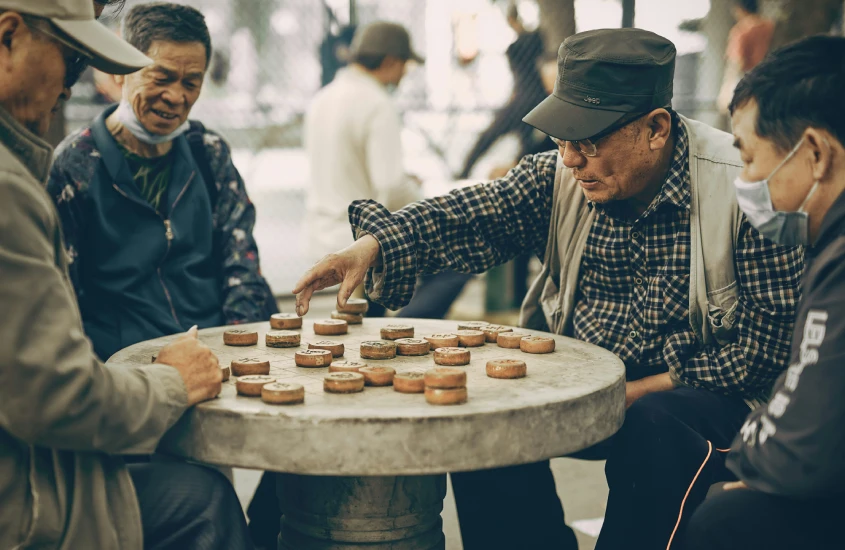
652 461
744 519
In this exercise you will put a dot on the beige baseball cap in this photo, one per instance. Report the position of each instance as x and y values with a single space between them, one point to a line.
384 38
109 53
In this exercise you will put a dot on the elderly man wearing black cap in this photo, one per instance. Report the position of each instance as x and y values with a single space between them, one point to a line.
645 253
65 417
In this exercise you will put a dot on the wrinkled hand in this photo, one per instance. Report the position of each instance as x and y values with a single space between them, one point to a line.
196 363
735 485
347 267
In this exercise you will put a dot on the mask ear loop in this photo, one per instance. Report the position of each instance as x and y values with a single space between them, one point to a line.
813 188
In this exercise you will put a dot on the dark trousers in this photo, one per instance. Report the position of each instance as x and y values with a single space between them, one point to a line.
651 463
432 298
188 506
742 519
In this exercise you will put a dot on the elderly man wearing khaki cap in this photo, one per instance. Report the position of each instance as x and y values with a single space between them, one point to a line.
64 416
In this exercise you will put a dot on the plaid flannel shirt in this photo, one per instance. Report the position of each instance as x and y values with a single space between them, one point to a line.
633 294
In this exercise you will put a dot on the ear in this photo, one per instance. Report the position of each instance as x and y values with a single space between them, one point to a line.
11 24
658 125
821 152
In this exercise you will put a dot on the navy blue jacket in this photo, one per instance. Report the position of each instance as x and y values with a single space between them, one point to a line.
140 274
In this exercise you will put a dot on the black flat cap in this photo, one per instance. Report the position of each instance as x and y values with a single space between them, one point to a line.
603 75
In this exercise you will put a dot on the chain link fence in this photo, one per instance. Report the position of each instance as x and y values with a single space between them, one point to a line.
487 63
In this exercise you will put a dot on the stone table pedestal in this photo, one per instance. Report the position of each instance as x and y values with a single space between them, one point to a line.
366 470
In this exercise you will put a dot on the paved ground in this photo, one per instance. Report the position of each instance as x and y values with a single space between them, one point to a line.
580 484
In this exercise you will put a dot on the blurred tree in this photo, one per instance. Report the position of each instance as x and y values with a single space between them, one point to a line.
557 22
795 19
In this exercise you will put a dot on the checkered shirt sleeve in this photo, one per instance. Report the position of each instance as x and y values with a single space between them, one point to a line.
468 230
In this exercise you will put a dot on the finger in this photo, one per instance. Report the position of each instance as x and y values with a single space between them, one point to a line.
346 289
733 485
307 279
303 299
192 332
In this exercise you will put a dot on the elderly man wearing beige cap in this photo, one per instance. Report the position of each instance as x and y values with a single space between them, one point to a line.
64 416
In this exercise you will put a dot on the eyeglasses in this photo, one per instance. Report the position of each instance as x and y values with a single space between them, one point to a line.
76 64
587 146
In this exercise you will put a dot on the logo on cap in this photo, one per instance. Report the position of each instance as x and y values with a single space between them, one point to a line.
593 100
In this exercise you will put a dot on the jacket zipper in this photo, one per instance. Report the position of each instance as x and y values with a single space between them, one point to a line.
168 235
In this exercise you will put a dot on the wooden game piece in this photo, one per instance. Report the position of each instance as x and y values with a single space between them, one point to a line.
506 368
377 349
336 348
250 366
451 357
351 318
472 325
240 337
227 372
409 382
357 306
331 327
492 332
471 338
285 321
510 340
313 358
282 339
412 346
395 332
452 396
537 344
343 382
250 386
378 376
346 366
443 340
445 377
282 393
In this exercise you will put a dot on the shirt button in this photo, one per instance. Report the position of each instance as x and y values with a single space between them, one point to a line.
635 235
633 334
638 281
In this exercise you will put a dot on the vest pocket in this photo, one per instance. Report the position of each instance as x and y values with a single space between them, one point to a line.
721 312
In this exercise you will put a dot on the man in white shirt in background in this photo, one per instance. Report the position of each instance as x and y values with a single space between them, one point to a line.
353 140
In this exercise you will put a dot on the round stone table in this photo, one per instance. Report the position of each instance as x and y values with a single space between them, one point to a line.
367 470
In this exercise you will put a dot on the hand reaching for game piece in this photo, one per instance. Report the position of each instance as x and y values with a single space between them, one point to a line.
197 365
347 267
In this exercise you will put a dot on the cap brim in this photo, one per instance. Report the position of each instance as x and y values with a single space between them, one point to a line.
109 53
418 58
563 120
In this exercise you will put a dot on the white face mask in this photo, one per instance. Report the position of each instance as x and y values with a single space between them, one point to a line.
126 116
786 228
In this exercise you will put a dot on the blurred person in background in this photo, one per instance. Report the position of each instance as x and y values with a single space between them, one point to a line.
524 56
155 216
789 126
748 43
354 145
65 417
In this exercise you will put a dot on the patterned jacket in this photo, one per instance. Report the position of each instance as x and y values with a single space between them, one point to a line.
240 290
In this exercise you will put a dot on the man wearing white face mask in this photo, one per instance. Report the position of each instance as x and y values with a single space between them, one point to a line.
155 216
788 454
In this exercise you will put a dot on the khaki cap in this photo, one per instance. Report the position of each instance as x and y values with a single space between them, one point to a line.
109 53
384 38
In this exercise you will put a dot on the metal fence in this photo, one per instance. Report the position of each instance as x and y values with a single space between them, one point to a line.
485 64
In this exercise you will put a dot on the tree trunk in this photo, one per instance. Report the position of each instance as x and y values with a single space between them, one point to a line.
557 22
796 19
